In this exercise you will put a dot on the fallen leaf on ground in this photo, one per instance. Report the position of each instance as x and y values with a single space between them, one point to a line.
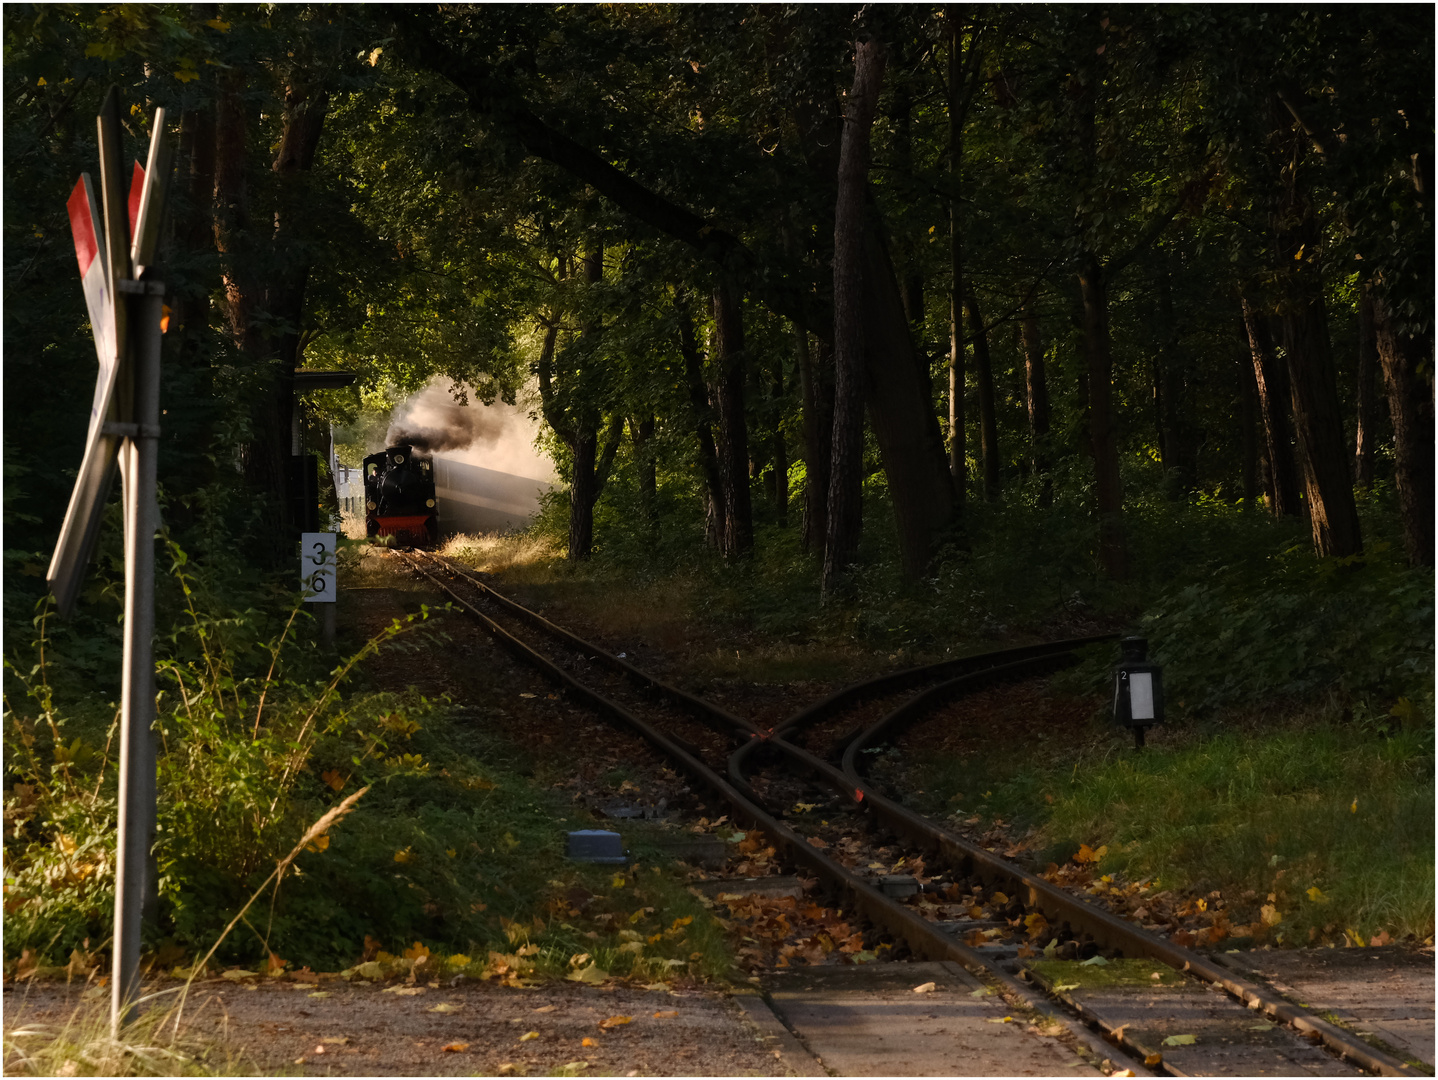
592 974
614 1022
528 1035
403 991
665 1014
320 994
455 1047
444 1007
1153 1059
1093 961
588 1042
925 988
982 991
335 1040
1180 1040
1066 986
1001 1019
1263 1026
546 1008
236 974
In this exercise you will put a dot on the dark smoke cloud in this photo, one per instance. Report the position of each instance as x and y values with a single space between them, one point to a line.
432 422
498 436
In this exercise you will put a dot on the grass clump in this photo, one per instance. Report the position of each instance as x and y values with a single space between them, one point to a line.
1329 825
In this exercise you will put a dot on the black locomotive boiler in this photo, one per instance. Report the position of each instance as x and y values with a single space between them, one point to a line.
399 497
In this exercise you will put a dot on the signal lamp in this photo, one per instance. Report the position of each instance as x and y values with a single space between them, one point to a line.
1137 689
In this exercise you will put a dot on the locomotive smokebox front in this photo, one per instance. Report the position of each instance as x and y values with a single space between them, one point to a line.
399 497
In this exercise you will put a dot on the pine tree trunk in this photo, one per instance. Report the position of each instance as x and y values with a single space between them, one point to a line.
1112 548
845 479
984 379
1271 380
1367 419
733 441
1408 376
1036 392
582 494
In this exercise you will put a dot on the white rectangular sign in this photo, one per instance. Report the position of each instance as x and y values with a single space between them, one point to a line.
317 567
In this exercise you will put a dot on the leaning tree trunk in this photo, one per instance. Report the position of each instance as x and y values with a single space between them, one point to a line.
1103 440
846 476
1408 375
733 442
1271 379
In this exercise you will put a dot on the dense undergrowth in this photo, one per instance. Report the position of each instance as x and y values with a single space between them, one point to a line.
455 848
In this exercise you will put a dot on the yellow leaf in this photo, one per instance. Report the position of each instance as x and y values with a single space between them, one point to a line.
593 975
218 24
999 898
1036 924
666 1014
1271 915
445 1007
374 57
455 1047
685 921
528 1036
459 960
1353 809
619 881
614 1022
1180 1040
404 856
1085 855
589 1042
187 75
41 81
415 951
333 778
1001 1019
1316 895
1353 935
926 988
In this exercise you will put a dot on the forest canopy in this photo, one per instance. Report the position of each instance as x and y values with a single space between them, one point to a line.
763 260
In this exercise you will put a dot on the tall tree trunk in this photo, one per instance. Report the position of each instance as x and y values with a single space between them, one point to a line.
1103 440
1367 398
1271 380
845 479
911 265
1178 444
816 387
1407 361
641 434
958 464
733 442
780 450
1036 392
1247 431
1317 418
703 415
984 379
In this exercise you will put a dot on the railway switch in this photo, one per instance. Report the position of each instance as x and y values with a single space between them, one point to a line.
1137 689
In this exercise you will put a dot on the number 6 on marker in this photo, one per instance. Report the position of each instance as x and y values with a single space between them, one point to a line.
318 584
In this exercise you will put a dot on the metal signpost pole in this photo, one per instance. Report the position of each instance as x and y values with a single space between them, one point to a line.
136 887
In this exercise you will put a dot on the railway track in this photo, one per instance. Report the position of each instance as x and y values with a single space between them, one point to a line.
803 784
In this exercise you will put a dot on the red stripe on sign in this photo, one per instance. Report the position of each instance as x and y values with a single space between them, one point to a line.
82 226
137 187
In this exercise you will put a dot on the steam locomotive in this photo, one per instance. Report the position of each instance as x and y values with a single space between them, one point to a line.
400 498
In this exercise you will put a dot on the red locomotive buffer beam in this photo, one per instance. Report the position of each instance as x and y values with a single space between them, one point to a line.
411 530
